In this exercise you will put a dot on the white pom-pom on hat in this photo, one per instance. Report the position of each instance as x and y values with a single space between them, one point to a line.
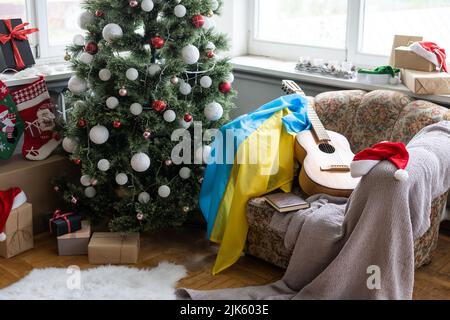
2 237
401 175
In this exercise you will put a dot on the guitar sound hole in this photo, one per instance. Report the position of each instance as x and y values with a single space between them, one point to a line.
327 148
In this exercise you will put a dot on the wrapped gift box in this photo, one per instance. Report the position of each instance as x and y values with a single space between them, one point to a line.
75 243
113 248
64 223
421 82
7 58
405 58
19 232
400 41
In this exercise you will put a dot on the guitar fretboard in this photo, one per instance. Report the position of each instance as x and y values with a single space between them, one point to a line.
318 128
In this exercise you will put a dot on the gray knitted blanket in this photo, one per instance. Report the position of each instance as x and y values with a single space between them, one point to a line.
363 249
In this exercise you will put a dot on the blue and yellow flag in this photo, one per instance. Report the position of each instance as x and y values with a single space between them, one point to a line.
251 156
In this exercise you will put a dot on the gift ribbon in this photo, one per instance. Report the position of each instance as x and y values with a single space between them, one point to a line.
16 33
59 215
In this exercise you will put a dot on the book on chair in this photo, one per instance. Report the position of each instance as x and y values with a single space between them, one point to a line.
286 202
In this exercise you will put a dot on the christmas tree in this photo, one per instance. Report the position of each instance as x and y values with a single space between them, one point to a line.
143 70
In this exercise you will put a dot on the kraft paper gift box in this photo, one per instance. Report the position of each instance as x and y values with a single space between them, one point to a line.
405 58
113 248
400 41
19 232
75 243
426 82
7 54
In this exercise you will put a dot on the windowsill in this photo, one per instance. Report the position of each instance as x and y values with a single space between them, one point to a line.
52 70
274 68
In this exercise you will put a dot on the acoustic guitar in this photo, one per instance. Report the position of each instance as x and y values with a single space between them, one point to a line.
325 155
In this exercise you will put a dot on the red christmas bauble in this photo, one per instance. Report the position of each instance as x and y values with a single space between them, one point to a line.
210 54
159 105
225 87
77 161
56 188
117 124
99 13
133 3
82 123
187 117
198 20
91 47
157 42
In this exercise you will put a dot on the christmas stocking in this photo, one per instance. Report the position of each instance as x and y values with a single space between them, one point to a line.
9 200
11 125
36 110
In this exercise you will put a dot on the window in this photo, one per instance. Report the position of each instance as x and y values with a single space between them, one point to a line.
56 20
360 31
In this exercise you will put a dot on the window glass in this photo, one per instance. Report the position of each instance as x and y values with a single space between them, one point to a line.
62 16
10 9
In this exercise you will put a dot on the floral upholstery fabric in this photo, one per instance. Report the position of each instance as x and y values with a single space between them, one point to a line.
365 119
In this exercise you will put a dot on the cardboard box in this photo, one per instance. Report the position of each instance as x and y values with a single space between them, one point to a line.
19 232
35 179
75 243
405 58
401 41
113 248
421 82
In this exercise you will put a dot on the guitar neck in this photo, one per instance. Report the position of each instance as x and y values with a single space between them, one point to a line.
318 128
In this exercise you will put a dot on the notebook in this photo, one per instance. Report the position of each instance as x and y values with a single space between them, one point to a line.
286 202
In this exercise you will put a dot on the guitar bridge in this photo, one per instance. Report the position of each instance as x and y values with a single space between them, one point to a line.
335 168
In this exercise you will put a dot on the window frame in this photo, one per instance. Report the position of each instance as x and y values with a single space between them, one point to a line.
352 51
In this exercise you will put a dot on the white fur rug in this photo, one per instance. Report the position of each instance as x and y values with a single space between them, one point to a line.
102 283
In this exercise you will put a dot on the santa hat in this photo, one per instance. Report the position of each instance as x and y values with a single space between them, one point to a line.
396 153
9 200
432 52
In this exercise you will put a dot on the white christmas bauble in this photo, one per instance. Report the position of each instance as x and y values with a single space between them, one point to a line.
214 5
111 32
103 165
136 109
190 54
144 198
132 74
180 11
112 102
99 134
170 116
79 105
121 179
185 88
164 191
77 85
78 40
229 78
206 82
147 5
85 180
140 162
209 23
85 19
90 192
69 145
86 58
185 173
154 69
213 111
211 46
104 75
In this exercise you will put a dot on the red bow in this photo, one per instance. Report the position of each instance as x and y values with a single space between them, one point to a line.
16 33
59 215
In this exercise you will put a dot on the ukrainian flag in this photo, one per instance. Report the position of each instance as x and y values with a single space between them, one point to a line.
251 156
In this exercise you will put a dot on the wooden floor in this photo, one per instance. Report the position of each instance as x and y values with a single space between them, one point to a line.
188 247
